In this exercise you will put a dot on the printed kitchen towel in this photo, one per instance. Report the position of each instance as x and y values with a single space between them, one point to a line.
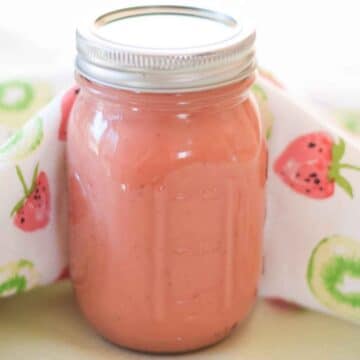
32 182
32 169
312 237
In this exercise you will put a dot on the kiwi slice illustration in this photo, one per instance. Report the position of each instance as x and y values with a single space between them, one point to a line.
349 120
333 275
15 95
23 142
19 100
17 276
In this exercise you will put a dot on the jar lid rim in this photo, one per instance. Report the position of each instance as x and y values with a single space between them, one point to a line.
198 65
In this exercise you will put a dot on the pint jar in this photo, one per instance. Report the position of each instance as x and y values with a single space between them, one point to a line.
166 173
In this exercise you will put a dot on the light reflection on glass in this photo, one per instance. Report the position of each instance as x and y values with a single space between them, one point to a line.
182 116
183 154
97 129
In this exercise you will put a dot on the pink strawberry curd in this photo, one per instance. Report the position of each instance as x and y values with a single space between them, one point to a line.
166 213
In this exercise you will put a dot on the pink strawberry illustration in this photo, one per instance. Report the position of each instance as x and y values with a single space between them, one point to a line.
32 212
64 274
67 103
283 304
311 165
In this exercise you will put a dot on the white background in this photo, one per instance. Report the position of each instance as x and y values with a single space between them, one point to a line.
312 45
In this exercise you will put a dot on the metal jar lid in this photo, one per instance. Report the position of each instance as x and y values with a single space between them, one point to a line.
165 47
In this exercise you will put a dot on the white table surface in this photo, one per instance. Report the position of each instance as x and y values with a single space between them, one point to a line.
45 324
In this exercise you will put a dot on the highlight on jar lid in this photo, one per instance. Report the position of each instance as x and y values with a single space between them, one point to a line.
167 47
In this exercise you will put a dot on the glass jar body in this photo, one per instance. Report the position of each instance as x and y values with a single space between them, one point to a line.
166 213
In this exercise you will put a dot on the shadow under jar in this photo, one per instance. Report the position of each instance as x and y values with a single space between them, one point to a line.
167 171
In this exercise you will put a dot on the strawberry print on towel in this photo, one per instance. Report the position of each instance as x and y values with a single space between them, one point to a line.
32 212
311 166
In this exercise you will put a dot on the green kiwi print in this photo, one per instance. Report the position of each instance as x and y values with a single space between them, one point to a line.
15 95
23 142
17 276
349 120
266 115
333 275
20 100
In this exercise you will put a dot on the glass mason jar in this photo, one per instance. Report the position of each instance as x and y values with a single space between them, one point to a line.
167 170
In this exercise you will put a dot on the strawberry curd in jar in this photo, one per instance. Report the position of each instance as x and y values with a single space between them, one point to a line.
166 198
